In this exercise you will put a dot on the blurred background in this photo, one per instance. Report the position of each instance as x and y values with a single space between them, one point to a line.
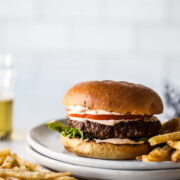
57 43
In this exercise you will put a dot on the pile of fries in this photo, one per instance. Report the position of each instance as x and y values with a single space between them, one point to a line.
13 167
168 142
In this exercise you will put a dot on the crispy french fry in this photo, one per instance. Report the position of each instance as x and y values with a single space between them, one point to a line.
139 157
164 138
2 158
5 152
16 168
175 157
31 175
160 154
8 162
174 144
23 168
143 158
12 178
170 126
13 167
65 178
30 166
157 155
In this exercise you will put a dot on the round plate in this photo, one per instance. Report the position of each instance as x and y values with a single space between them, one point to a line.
48 143
105 174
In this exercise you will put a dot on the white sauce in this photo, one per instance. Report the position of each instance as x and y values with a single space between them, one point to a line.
118 141
109 122
84 110
105 122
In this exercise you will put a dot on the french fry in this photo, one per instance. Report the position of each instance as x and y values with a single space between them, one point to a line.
30 166
169 134
160 154
2 158
157 155
175 157
30 175
23 168
4 152
13 167
65 178
16 168
139 157
174 144
143 158
164 138
8 162
170 126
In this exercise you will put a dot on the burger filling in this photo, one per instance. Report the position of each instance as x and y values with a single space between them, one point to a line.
107 127
104 125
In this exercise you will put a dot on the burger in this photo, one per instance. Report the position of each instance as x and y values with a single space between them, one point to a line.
109 119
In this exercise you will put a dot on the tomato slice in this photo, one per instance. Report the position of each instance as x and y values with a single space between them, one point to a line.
109 117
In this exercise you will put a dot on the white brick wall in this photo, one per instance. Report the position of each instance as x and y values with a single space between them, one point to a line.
136 9
175 10
136 70
16 8
70 8
104 27
162 40
36 37
101 38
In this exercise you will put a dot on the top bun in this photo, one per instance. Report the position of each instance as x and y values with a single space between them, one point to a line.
114 96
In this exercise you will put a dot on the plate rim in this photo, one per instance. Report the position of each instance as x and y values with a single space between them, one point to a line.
100 172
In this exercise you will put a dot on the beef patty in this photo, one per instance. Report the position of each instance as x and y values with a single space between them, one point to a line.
122 130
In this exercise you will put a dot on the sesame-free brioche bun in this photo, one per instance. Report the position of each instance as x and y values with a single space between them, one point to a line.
114 96
103 150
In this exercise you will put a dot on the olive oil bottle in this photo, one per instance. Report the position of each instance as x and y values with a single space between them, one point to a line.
6 106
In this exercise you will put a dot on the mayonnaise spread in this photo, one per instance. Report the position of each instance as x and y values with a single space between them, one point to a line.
118 141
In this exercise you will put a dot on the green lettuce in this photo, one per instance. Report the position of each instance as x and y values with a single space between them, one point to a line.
145 139
67 131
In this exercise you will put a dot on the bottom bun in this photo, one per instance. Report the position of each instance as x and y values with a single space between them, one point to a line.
104 150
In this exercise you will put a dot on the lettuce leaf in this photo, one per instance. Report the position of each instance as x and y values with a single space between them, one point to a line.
145 139
67 131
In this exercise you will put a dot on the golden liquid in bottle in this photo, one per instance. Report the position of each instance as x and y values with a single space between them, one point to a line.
6 106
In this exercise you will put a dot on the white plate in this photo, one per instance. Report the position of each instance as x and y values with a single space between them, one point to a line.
105 174
48 143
